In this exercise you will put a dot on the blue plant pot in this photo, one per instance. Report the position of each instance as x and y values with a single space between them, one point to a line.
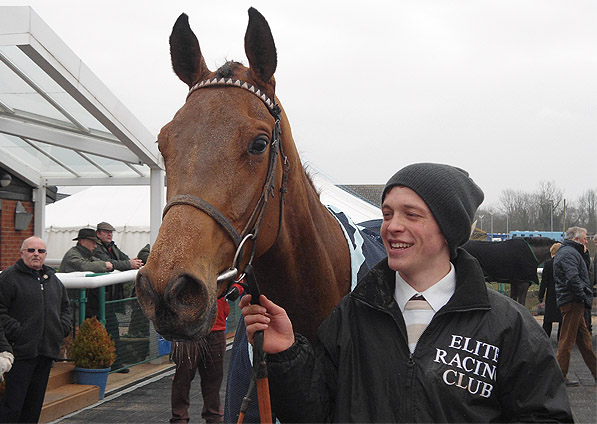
93 377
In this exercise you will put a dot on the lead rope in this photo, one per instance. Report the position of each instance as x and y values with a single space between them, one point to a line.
259 375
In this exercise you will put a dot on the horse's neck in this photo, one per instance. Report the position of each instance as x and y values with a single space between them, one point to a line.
542 254
308 270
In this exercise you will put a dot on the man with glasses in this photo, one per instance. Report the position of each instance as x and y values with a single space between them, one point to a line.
35 314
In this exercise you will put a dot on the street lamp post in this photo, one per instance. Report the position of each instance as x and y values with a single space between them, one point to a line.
491 217
481 218
551 215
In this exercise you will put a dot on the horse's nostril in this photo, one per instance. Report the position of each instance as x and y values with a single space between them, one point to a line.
184 292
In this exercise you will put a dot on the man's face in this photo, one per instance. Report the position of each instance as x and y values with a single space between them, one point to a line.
89 244
105 236
34 259
582 239
414 242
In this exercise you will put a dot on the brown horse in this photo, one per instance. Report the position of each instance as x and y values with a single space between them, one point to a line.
226 155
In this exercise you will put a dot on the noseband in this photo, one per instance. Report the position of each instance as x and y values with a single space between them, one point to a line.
251 229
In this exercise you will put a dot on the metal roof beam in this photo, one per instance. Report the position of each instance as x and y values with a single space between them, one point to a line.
52 158
20 169
97 165
67 139
100 104
42 93
108 181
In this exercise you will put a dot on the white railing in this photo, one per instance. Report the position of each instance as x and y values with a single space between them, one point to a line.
88 280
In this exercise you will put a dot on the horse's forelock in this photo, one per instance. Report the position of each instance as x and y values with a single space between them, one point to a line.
228 69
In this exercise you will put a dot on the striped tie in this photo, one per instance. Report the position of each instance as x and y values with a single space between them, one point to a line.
417 315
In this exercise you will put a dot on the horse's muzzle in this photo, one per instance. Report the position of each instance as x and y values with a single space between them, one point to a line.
184 310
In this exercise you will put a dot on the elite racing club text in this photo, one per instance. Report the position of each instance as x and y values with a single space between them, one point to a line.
473 365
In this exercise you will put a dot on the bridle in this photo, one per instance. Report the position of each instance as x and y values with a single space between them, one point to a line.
251 229
250 232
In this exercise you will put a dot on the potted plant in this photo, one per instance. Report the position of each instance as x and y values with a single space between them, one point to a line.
93 353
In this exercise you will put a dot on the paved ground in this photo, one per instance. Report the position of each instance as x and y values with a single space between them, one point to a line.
149 401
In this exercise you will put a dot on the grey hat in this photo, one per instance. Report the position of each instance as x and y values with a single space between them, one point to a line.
449 192
105 226
87 233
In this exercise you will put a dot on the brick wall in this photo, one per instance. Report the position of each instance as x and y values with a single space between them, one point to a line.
10 239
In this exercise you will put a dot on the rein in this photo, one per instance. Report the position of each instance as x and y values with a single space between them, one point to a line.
251 229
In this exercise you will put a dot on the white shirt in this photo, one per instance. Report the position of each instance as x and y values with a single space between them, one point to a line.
436 296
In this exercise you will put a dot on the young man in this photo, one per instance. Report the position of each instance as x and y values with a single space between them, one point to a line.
421 338
35 314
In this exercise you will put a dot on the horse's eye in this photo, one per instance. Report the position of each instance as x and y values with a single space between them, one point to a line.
258 146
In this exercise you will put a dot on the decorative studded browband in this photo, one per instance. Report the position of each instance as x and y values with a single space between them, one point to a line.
271 105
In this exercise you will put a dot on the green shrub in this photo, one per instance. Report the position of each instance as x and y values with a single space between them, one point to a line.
93 347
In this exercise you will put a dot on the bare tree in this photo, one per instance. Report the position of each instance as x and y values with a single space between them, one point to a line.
542 210
586 210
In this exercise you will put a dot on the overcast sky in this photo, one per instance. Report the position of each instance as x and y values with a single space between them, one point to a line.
504 89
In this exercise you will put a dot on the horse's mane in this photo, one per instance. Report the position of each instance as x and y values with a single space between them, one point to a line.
310 179
539 241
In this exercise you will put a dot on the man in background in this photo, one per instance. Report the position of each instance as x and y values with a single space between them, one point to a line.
35 315
574 293
80 258
108 251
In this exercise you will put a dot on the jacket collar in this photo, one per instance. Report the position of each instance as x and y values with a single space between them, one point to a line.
377 287
86 252
576 245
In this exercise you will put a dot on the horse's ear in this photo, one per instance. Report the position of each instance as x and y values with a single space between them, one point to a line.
260 48
187 60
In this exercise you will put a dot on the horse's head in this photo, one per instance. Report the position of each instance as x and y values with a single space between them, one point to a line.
540 247
217 151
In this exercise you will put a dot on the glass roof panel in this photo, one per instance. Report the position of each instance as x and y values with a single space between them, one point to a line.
18 94
43 125
116 168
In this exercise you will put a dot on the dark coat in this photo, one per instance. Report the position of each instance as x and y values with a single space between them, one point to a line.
483 358
120 260
34 311
4 345
111 253
547 290
572 275
79 258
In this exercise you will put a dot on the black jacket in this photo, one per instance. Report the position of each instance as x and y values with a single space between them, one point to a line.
547 290
34 310
111 253
572 275
120 260
482 358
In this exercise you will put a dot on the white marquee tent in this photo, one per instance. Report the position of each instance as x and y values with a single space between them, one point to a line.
127 209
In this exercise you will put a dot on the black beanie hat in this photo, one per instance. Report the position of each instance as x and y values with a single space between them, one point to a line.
449 192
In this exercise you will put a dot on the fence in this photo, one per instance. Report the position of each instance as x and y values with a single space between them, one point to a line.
134 336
